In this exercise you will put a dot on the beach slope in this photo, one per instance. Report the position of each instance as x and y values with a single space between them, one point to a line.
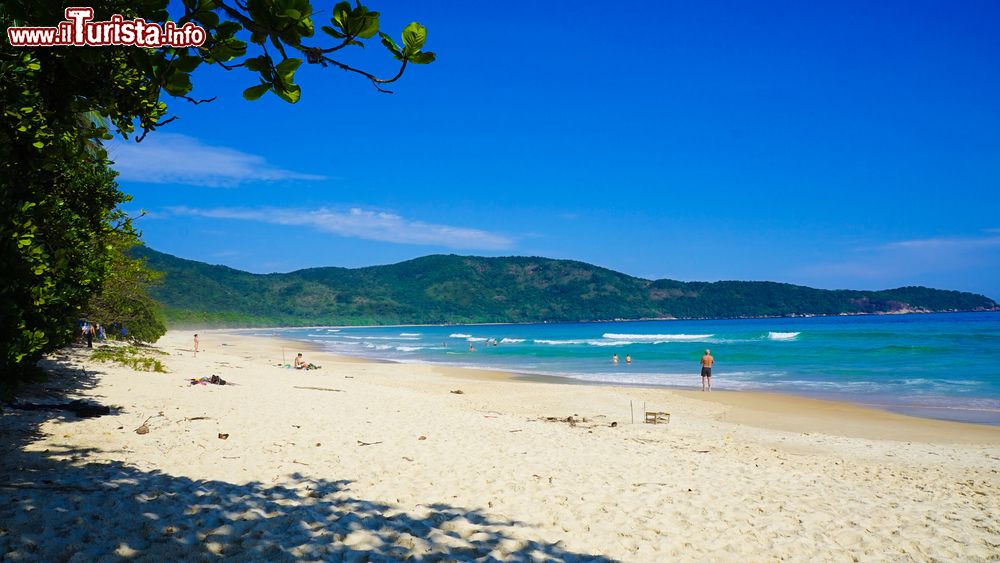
392 461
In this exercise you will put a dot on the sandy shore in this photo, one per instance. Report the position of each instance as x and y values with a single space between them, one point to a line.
380 461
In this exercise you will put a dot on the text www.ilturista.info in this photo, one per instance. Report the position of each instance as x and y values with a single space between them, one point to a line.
78 30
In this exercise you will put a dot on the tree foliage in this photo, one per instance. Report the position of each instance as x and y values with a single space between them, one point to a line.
61 227
123 301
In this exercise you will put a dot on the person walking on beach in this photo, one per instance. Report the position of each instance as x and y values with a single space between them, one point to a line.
706 370
196 344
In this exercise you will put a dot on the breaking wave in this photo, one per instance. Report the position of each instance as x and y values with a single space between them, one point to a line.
658 337
783 335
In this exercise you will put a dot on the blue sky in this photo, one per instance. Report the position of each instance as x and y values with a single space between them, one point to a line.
846 144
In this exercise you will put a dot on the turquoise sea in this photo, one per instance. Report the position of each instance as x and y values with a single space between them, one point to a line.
935 365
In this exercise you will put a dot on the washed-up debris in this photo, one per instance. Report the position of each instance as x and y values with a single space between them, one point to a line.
360 443
457 392
577 421
223 436
422 438
319 389
193 418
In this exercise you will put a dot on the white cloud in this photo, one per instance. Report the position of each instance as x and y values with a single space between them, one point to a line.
363 224
946 243
171 158
908 260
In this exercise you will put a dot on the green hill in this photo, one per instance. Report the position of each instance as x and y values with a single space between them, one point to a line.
470 289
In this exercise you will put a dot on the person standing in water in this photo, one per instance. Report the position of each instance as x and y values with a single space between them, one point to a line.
706 370
614 359
628 360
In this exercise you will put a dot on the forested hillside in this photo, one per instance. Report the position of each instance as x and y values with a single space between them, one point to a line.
469 289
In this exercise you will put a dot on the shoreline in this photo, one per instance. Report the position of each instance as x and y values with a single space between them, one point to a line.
917 412
762 409
651 319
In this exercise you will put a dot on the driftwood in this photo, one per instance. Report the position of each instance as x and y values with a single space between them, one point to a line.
319 389
360 443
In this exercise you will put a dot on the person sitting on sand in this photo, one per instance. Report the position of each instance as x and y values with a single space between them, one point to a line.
300 363
706 370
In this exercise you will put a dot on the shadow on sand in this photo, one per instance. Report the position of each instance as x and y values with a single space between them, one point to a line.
57 506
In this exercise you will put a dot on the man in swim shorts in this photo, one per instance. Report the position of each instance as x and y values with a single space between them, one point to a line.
706 371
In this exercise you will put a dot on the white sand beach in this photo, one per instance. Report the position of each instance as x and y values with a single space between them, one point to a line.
380 461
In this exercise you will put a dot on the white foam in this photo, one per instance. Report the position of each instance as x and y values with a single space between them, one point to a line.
459 335
475 339
658 337
380 338
559 342
409 348
409 334
333 330
783 335
610 342
511 340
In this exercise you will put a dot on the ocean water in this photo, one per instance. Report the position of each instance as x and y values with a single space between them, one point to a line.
943 366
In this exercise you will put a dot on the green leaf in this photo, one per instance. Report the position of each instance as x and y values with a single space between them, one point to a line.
256 64
340 13
187 64
391 45
414 36
254 92
290 94
178 84
369 26
38 144
228 28
207 18
333 32
286 68
422 58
